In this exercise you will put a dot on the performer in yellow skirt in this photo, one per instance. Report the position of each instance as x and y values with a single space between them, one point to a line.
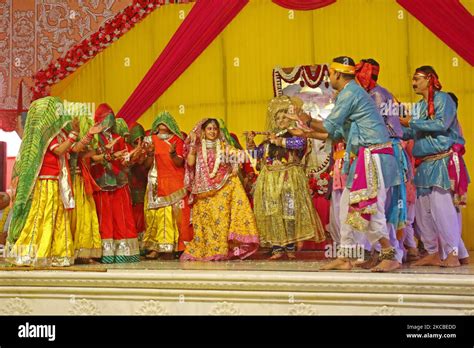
282 202
84 221
40 232
224 225
167 210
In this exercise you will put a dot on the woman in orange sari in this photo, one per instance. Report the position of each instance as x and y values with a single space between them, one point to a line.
167 212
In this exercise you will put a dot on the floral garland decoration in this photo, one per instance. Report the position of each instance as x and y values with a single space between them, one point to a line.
217 162
88 48
318 184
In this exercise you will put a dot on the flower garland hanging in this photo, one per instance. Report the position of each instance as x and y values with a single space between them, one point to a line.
217 162
88 48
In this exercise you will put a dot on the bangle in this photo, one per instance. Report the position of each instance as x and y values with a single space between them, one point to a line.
71 140
86 140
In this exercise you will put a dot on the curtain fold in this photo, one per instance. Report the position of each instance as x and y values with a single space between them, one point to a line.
205 21
303 5
448 20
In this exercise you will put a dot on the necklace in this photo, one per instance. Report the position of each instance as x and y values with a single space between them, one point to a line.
204 145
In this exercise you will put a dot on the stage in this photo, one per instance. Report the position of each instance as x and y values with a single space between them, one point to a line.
254 287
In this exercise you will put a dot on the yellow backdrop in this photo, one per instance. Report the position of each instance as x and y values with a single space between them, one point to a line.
232 78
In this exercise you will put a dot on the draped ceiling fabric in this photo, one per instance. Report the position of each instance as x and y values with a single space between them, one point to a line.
303 5
447 19
232 78
205 21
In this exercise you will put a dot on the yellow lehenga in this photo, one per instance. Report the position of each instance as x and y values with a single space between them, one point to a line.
224 225
282 202
283 207
223 221
46 238
84 222
39 233
162 232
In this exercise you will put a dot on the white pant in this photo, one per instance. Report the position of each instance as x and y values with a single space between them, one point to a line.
439 224
408 231
377 226
334 225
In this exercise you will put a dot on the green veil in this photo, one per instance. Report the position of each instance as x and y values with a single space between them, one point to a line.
136 131
121 127
227 136
165 118
46 117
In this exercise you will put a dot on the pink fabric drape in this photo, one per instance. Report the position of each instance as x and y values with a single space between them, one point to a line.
204 22
448 20
304 5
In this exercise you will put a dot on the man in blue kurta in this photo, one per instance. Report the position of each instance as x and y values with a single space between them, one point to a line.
367 73
369 162
441 176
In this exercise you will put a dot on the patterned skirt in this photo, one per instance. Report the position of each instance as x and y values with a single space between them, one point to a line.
224 225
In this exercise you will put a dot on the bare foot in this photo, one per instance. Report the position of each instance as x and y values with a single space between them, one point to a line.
93 262
386 266
370 263
85 261
451 261
412 255
428 260
277 256
152 255
291 256
464 261
338 264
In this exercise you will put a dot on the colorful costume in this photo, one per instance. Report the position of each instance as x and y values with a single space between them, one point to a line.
167 209
369 163
338 185
246 172
113 202
396 204
137 180
40 233
84 221
282 202
224 225
441 177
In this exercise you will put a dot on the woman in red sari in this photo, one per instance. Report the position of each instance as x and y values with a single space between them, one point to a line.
113 201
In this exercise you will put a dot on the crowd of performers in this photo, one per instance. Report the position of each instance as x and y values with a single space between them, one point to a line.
101 190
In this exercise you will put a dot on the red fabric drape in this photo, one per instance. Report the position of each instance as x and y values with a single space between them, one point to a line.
205 21
303 5
448 20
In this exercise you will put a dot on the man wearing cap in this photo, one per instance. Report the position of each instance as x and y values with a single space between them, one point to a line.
441 177
369 163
